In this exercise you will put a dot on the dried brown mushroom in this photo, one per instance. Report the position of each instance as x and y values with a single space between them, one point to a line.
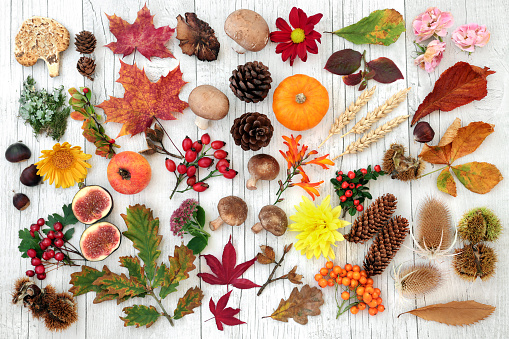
232 211
261 167
273 219
208 103
197 38
41 38
248 29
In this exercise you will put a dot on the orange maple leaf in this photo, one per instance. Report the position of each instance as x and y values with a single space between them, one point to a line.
144 100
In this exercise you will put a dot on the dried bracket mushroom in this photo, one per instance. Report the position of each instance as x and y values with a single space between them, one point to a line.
197 38
41 38
208 103
273 219
261 167
232 211
248 29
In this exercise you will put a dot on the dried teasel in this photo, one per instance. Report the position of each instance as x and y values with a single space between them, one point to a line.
401 167
436 235
479 224
474 261
58 310
416 280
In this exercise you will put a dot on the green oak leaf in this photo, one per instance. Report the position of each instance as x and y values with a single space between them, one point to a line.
188 302
82 282
121 285
134 267
381 27
180 265
27 242
140 315
142 230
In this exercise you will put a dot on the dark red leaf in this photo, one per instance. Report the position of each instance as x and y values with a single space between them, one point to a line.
226 273
344 62
353 79
224 315
386 70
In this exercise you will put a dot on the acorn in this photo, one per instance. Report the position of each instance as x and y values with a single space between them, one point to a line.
17 152
423 132
20 201
29 176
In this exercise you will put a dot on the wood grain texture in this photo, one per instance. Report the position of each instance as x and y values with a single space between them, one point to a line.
101 321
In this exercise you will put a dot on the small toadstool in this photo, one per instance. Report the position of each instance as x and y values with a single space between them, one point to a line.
41 38
273 219
261 167
232 211
208 103
248 29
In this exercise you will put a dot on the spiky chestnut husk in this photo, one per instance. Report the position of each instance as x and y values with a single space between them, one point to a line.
474 261
61 312
417 280
434 226
479 224
401 167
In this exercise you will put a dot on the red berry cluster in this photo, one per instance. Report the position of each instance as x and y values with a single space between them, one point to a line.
52 245
197 156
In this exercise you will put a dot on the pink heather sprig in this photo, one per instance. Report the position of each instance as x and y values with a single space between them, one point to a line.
466 37
432 22
182 217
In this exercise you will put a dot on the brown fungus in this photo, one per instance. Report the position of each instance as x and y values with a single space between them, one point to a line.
248 29
232 211
273 219
261 167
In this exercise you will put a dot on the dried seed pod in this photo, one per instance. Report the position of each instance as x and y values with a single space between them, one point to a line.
474 261
416 280
479 224
401 167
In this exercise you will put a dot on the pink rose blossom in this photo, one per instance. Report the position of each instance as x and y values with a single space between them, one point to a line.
432 21
432 57
467 37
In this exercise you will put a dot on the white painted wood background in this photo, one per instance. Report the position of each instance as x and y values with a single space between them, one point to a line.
101 321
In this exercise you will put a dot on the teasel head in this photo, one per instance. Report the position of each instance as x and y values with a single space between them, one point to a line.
479 224
62 312
436 235
474 261
401 167
416 280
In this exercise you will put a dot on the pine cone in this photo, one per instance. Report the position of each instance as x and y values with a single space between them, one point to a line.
386 245
85 42
251 82
373 219
86 67
252 131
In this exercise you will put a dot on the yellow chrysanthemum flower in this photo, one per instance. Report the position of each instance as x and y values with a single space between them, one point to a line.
318 227
65 165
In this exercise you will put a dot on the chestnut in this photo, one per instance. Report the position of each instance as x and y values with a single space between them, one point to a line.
423 132
17 152
29 176
20 201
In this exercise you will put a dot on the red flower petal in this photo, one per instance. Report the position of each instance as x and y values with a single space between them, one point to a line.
279 36
314 19
302 51
314 35
281 47
311 46
283 25
294 17
303 18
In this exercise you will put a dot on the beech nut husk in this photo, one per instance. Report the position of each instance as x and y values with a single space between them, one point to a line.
423 132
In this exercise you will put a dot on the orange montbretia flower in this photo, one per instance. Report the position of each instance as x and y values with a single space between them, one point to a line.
321 161
310 188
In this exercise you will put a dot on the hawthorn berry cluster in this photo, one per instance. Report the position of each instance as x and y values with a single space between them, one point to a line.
198 154
351 187
53 245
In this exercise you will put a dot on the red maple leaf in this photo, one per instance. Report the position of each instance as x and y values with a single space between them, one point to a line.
141 35
224 315
144 100
227 273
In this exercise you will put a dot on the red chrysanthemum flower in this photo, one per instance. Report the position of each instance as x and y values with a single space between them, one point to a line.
298 41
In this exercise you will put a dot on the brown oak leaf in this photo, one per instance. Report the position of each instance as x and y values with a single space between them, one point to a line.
457 86
299 305
140 35
144 100
197 38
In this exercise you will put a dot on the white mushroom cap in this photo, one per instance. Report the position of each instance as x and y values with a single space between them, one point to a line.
248 29
208 103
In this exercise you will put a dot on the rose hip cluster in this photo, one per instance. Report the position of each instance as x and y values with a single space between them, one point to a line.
197 156
52 246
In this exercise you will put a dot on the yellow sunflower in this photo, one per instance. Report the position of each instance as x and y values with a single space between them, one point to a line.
64 165
318 227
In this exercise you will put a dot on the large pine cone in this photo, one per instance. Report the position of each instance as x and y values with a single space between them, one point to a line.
86 67
373 219
386 245
251 82
85 42
252 131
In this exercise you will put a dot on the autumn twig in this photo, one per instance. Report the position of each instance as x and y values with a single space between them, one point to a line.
295 279
161 305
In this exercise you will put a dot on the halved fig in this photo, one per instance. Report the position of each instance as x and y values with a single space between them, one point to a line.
99 240
91 204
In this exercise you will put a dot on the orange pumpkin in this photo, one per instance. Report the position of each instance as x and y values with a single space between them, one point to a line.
300 102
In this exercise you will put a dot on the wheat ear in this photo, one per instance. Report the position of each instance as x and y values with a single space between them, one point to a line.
379 113
349 113
372 136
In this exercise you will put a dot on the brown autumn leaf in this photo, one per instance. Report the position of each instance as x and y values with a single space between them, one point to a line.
457 86
469 138
267 256
446 183
299 305
294 277
436 154
450 133
478 177
454 313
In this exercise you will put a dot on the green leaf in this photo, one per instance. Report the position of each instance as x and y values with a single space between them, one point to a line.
445 182
352 211
200 216
112 283
68 234
180 266
67 219
140 315
160 276
83 281
27 242
134 267
381 27
198 243
188 302
142 230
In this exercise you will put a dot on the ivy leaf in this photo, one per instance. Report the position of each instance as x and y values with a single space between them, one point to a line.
140 315
478 177
385 69
299 305
446 183
188 302
144 100
141 36
142 230
344 62
180 265
224 315
381 27
82 282
134 267
121 285
27 242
